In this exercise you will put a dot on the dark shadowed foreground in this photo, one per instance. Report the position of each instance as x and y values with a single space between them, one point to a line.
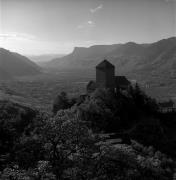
104 135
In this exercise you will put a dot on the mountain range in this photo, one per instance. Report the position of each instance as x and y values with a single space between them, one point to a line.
13 65
43 58
155 58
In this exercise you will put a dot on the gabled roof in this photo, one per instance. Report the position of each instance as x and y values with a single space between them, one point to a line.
91 84
166 104
105 65
121 80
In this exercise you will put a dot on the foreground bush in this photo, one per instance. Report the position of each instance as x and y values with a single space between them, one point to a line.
70 144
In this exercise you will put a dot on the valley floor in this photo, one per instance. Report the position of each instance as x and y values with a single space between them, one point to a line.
40 91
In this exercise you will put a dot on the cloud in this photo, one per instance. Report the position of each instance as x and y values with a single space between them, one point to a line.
96 9
16 36
88 24
29 44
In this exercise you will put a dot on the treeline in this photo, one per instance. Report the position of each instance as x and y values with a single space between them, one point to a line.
80 140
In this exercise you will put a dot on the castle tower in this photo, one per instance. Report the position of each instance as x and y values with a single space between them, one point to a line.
105 75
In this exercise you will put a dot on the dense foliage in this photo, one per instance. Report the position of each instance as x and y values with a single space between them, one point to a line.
92 138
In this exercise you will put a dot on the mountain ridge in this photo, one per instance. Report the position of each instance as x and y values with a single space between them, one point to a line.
137 61
13 64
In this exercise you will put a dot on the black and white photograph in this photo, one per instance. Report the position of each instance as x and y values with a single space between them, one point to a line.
87 89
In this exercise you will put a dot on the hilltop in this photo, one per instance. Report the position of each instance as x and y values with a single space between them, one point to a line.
13 64
129 58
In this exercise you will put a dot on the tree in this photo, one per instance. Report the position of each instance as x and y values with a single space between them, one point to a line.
66 137
61 102
142 101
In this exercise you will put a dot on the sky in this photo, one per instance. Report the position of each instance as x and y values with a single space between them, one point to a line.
34 27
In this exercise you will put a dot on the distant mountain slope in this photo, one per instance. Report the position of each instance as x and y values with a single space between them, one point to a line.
13 64
130 57
4 75
42 59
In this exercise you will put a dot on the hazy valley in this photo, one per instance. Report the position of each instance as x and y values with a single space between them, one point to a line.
151 65
87 89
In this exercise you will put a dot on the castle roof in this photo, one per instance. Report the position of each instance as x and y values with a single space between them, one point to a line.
105 65
91 86
121 80
166 104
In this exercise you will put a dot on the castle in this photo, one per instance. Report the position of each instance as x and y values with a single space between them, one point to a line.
105 78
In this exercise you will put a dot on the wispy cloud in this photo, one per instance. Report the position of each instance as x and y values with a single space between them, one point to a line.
88 24
91 23
96 9
16 36
29 44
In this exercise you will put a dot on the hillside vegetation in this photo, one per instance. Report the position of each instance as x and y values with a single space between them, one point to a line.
106 135
13 64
